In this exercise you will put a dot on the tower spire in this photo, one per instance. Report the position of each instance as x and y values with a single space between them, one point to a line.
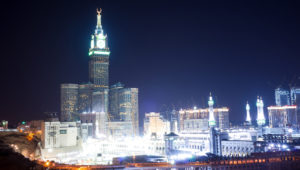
211 119
248 118
260 112
99 26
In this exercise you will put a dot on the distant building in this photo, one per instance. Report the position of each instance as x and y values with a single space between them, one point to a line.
114 106
89 120
237 148
119 129
69 102
99 57
295 96
295 100
155 125
282 116
174 121
59 134
85 97
195 125
197 119
282 97
100 108
87 131
4 124
129 111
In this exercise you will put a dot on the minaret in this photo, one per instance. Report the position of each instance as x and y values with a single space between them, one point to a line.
260 112
248 118
211 120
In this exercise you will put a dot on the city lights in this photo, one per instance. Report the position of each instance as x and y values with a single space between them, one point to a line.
100 125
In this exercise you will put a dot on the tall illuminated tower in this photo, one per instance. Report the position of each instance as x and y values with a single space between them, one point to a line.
248 118
211 119
260 112
99 57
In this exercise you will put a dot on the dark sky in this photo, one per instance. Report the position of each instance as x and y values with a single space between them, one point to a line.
175 52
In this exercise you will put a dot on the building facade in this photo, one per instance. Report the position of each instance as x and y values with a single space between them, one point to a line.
237 148
85 98
92 102
282 116
129 111
295 100
114 108
282 97
155 126
197 119
59 134
99 57
69 102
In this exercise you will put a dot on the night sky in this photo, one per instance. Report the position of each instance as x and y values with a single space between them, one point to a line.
175 52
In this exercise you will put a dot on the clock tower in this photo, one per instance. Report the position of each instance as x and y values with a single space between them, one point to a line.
99 57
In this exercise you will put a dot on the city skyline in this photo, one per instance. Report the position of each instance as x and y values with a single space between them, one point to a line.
166 81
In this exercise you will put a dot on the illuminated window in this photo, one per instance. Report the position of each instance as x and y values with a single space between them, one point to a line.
63 131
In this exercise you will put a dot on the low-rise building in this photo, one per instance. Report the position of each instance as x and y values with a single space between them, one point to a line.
237 148
59 134
155 125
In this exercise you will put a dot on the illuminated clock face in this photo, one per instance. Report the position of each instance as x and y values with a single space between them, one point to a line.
101 43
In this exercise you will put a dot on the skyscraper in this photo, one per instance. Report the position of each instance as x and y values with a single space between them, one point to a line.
129 111
114 108
295 96
100 103
68 102
295 100
85 98
99 57
282 97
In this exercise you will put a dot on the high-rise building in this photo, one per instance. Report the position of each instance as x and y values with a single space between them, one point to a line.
85 98
295 100
129 111
114 109
68 102
222 118
260 112
100 103
295 96
282 97
282 116
99 57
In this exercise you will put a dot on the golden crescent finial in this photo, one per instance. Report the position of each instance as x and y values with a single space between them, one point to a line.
99 11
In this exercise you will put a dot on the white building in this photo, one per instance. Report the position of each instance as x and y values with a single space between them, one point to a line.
59 134
237 147
195 125
155 125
